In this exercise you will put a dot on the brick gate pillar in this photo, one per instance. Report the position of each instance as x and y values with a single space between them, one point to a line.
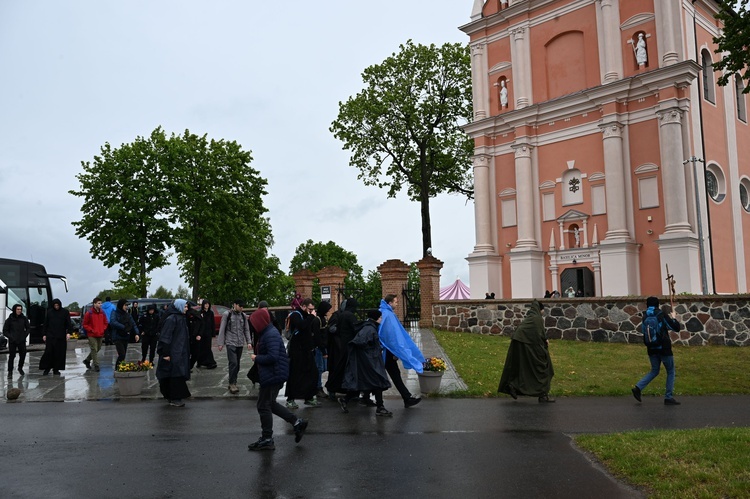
303 282
393 274
429 287
333 277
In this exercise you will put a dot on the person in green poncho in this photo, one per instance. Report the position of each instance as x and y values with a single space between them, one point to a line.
528 367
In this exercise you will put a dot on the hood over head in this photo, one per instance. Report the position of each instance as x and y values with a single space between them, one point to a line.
151 307
121 302
56 301
179 304
351 304
203 304
323 308
652 301
260 319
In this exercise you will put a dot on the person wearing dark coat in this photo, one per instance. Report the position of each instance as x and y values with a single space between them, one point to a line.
345 332
273 370
149 326
195 328
528 366
319 329
365 367
303 373
173 348
205 354
335 347
16 329
57 328
123 328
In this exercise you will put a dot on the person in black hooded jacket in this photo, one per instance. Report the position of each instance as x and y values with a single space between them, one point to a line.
149 325
345 332
123 326
57 328
173 369
16 329
205 354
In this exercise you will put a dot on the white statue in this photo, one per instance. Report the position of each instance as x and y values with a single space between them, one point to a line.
503 94
641 57
577 236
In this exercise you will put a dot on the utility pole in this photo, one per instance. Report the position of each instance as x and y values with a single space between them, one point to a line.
701 249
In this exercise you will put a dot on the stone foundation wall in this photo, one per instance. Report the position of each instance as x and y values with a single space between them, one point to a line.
706 320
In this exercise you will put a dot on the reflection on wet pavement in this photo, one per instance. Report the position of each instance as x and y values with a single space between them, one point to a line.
76 383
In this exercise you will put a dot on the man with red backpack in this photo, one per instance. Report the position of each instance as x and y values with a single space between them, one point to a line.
655 328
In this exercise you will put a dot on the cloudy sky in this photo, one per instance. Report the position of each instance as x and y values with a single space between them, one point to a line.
77 74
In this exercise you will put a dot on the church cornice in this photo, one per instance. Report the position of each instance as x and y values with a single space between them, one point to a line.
572 215
589 100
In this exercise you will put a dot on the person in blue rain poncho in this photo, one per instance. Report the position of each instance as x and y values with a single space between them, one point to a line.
397 344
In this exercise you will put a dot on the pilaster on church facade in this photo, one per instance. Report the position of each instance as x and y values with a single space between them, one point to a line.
591 110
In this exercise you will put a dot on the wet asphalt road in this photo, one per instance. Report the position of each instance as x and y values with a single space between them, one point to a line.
442 448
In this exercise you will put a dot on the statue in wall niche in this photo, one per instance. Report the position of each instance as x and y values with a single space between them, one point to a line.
577 236
641 56
503 94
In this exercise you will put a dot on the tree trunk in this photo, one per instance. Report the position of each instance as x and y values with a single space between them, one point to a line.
424 202
196 277
142 277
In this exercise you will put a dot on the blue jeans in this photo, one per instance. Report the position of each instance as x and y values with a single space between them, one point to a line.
233 356
656 361
322 366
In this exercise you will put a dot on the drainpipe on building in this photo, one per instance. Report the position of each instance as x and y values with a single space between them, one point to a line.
703 147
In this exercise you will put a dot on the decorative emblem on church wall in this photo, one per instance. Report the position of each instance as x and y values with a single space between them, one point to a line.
574 185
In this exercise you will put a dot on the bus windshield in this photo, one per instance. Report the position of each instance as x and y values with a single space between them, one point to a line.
27 284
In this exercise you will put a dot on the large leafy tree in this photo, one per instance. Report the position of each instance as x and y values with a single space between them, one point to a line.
224 235
314 256
734 42
124 202
403 129
196 196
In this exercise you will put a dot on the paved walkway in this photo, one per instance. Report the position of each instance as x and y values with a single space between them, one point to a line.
76 383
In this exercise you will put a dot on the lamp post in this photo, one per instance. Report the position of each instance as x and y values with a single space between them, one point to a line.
701 249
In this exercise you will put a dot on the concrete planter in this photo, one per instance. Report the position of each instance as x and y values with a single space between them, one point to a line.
130 383
429 381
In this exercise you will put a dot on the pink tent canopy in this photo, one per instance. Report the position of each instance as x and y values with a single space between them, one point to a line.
456 291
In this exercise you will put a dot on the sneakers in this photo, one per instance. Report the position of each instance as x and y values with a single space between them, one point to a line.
342 403
262 444
233 389
87 363
313 403
545 399
382 411
291 404
299 429
411 402
177 403
671 402
636 393
367 402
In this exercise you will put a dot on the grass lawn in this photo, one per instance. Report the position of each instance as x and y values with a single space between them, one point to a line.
600 369
709 462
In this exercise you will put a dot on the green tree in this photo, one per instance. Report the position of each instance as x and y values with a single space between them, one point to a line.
74 307
221 256
314 256
373 290
163 293
734 42
124 202
403 129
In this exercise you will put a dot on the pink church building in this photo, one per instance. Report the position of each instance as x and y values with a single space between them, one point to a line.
605 151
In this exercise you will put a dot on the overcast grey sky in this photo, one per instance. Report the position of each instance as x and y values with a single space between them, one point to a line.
77 74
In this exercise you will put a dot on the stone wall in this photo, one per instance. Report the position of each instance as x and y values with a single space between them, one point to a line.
706 320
